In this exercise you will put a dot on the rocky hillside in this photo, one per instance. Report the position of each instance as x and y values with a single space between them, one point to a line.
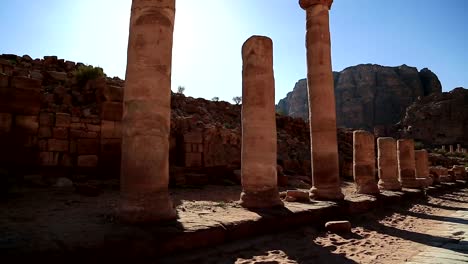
438 119
368 96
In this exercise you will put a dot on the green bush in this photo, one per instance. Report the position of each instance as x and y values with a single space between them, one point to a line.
86 73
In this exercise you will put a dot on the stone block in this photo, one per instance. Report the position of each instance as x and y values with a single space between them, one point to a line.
57 145
62 120
58 76
193 160
78 126
27 124
25 83
112 93
20 101
46 119
44 132
111 111
87 161
88 146
6 120
93 128
193 137
48 158
42 145
111 129
60 132
4 80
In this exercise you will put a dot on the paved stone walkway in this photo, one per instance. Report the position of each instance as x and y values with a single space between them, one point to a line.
450 245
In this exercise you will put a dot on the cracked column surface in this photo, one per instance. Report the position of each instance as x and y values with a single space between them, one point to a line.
259 143
146 117
387 161
364 162
407 163
322 113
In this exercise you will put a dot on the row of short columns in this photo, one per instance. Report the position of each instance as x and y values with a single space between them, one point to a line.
399 165
458 150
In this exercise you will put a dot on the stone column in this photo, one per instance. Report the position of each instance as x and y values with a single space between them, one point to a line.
443 148
364 162
259 183
322 113
388 164
422 166
459 148
407 163
147 113
451 149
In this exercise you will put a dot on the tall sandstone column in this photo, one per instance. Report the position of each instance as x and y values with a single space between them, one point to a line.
259 184
364 162
322 113
388 164
407 164
422 167
146 118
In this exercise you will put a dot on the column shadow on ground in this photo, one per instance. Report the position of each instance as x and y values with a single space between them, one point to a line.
439 218
420 238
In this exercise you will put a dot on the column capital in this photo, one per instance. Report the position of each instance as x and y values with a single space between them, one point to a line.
308 3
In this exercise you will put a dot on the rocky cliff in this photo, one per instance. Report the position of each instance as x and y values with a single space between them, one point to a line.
438 119
368 96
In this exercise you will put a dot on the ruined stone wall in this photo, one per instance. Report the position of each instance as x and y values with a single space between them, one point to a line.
49 120
52 122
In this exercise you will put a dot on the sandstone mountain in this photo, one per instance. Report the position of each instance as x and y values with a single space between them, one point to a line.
368 95
438 119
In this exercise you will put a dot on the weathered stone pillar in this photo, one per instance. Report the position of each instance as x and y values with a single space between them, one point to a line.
407 163
147 113
443 148
388 164
422 166
459 148
364 162
259 183
451 148
322 113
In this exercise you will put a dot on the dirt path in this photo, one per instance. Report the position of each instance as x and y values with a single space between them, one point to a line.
433 232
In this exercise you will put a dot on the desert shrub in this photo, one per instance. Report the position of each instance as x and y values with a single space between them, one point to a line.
181 89
86 73
237 99
215 99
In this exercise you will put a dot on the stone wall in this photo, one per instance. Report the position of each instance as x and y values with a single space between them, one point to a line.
48 120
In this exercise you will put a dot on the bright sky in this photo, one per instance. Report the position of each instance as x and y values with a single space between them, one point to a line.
209 35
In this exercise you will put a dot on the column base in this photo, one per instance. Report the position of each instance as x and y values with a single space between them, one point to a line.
389 185
411 183
260 199
332 193
146 208
368 189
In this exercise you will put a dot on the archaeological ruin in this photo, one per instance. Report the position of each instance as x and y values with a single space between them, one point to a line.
130 169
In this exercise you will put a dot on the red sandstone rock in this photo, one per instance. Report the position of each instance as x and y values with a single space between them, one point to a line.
88 146
338 226
6 120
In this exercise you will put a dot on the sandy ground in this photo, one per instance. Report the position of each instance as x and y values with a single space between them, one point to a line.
393 237
385 237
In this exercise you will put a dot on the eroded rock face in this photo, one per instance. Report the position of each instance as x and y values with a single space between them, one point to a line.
438 119
368 95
